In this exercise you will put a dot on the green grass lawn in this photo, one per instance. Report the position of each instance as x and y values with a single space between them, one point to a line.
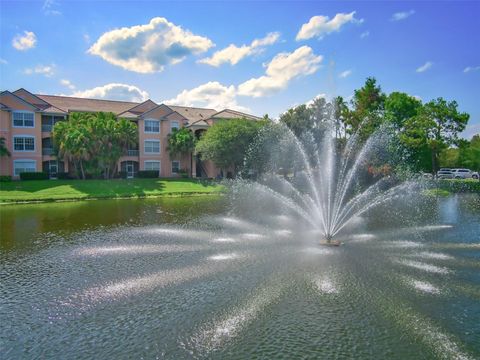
52 190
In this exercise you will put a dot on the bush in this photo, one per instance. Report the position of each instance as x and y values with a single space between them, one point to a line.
457 186
183 173
148 174
40 175
122 174
5 178
63 176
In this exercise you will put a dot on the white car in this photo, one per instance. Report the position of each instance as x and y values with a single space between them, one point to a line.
464 174
445 173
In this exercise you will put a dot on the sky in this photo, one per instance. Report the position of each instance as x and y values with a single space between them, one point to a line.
261 57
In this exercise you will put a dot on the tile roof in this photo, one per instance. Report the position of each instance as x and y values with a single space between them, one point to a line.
193 114
70 104
233 114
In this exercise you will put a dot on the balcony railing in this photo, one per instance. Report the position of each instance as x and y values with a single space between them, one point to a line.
132 153
47 128
47 151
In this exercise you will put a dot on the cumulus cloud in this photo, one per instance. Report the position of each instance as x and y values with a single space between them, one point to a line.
345 74
67 83
3 61
424 67
402 15
471 69
114 91
24 41
319 26
233 54
148 48
283 68
364 34
210 95
470 131
46 70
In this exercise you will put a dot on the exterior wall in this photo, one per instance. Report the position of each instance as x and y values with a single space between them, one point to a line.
36 132
5 126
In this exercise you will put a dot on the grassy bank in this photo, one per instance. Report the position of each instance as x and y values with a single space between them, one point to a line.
446 187
57 190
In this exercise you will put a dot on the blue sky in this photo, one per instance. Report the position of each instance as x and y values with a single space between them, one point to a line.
262 57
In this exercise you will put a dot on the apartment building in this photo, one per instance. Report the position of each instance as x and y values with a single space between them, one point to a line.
27 120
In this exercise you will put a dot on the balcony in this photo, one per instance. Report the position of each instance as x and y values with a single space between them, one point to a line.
47 151
47 128
132 152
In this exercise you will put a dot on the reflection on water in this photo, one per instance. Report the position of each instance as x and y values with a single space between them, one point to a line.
181 278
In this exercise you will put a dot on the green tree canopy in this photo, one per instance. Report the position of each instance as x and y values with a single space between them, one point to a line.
436 127
3 149
181 142
227 142
94 142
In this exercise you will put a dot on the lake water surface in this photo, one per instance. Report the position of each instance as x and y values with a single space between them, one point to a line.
195 278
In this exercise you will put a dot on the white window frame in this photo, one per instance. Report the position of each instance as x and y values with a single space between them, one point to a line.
179 168
153 162
174 127
23 112
23 160
23 137
145 126
152 140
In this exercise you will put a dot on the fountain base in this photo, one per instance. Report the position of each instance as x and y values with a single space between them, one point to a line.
328 242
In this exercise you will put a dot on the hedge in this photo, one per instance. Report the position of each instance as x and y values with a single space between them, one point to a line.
456 185
148 174
40 175
5 178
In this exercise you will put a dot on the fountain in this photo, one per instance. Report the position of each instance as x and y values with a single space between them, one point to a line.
324 186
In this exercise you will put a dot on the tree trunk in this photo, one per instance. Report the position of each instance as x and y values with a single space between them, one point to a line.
434 161
81 169
191 164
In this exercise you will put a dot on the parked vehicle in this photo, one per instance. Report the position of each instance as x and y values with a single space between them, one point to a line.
444 173
463 174
475 175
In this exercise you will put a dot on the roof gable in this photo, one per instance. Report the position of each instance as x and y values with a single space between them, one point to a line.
31 98
143 107
13 101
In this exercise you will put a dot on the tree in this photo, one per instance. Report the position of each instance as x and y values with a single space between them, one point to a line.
3 148
227 141
399 107
368 105
181 142
298 119
94 142
436 127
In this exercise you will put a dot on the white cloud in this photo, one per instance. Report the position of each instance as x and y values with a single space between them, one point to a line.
67 83
24 42
49 8
148 48
86 38
210 95
345 74
471 69
402 15
283 68
46 70
424 67
233 54
3 61
114 91
319 26
364 34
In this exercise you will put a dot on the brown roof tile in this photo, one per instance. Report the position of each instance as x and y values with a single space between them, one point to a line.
71 104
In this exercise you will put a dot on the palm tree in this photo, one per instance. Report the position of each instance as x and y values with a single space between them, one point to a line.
3 148
181 142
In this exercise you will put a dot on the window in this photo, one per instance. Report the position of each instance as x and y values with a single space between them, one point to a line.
152 147
20 166
152 126
152 165
23 143
174 125
23 119
175 166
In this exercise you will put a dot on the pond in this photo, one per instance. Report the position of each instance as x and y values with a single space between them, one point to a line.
195 278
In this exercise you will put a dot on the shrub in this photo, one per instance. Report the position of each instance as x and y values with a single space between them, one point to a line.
122 174
63 176
148 174
183 173
5 178
40 175
456 186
